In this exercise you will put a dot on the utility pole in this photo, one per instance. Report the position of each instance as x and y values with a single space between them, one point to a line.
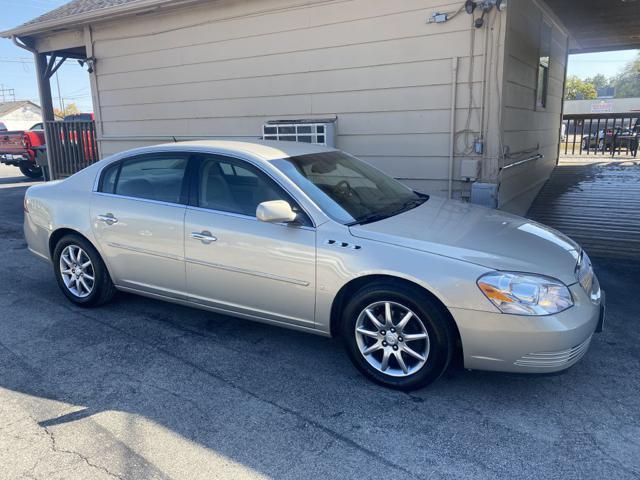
7 93
60 96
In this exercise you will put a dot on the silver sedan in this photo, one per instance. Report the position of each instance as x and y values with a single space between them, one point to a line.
314 239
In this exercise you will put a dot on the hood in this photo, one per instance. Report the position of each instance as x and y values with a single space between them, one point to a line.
483 236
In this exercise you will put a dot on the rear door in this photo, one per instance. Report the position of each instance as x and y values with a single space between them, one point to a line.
138 220
237 263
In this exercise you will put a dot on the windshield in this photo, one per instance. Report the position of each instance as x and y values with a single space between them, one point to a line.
347 189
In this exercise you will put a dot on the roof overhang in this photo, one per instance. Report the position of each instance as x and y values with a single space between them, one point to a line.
109 13
599 25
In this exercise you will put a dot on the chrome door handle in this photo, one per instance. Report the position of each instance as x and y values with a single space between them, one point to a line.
205 237
108 218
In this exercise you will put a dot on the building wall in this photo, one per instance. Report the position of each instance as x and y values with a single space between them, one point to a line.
527 129
22 118
226 67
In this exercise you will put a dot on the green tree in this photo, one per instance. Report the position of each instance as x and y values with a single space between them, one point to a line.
627 82
577 88
599 81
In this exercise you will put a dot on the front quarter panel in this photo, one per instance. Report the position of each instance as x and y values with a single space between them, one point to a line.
340 260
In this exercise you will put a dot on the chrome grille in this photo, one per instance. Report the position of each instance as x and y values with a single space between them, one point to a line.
554 359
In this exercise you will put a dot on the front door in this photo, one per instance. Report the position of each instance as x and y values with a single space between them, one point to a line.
237 263
138 219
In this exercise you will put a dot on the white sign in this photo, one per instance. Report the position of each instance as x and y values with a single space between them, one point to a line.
602 107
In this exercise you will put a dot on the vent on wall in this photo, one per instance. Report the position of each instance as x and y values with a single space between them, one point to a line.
318 131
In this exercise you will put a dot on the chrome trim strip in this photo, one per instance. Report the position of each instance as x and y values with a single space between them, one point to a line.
145 251
253 273
554 359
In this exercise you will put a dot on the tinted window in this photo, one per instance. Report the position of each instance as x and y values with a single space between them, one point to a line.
226 186
151 177
109 177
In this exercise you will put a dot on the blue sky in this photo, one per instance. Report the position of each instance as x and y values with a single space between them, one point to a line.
17 69
16 65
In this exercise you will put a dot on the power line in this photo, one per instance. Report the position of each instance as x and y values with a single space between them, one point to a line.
7 92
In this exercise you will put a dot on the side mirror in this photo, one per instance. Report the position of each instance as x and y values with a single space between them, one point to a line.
275 211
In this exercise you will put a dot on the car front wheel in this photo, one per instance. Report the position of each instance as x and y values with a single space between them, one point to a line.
81 273
397 336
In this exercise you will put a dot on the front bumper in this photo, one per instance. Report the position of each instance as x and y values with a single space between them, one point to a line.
513 343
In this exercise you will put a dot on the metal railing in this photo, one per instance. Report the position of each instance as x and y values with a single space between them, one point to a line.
600 133
71 147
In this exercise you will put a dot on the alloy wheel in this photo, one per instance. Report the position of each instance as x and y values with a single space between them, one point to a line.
77 271
392 338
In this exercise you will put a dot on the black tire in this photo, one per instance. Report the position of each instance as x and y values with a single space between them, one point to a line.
30 170
103 289
441 333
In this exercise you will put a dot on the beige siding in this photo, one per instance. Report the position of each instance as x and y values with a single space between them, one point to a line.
22 118
224 68
528 130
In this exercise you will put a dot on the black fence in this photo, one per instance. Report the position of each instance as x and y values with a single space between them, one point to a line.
600 133
71 147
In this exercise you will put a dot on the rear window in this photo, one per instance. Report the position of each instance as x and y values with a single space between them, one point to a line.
157 178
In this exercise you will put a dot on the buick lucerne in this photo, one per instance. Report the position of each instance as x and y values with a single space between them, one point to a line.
314 239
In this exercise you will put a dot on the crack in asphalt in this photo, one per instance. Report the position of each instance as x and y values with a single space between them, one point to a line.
84 458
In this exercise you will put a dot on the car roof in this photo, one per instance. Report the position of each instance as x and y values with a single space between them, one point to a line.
264 149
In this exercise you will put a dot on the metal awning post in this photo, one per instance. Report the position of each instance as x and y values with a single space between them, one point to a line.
46 103
44 90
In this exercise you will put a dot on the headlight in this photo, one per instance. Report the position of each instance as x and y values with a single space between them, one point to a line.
525 294
584 272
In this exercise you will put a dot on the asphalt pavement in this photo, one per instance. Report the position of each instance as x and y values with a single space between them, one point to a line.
141 389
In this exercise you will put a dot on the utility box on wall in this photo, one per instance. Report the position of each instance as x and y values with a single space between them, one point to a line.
485 194
469 169
316 131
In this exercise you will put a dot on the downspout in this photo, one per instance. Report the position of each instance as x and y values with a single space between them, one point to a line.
452 129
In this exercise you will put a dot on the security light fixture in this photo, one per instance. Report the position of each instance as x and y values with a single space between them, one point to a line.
485 6
470 6
90 62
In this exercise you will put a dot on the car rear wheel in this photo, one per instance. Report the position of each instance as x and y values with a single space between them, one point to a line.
30 170
397 336
81 273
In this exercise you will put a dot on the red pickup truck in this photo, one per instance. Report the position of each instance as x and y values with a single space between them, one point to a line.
17 148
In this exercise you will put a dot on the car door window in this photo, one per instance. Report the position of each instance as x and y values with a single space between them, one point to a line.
157 177
236 187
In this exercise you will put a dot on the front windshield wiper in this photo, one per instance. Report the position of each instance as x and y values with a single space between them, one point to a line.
381 215
369 218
